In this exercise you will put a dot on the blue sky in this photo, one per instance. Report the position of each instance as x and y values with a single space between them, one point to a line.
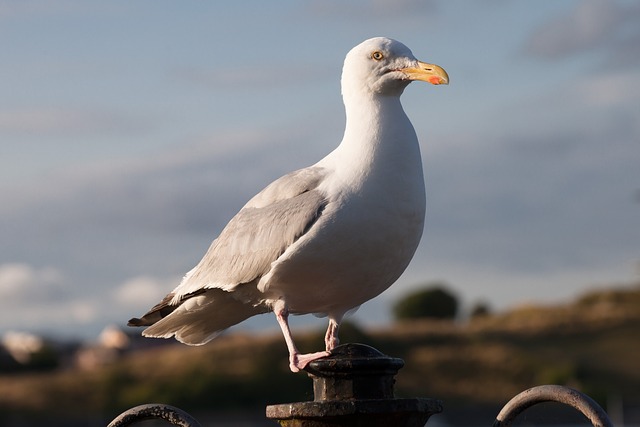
130 133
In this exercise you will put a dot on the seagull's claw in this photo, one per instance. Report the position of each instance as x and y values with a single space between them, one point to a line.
298 362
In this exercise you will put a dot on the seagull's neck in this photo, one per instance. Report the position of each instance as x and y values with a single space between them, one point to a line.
369 116
379 144
376 126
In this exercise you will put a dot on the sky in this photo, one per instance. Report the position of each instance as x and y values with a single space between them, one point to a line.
131 132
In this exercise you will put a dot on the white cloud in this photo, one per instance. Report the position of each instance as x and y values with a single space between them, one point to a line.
73 314
142 292
21 282
39 299
83 310
30 302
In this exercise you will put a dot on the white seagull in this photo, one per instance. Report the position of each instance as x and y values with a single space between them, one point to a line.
323 239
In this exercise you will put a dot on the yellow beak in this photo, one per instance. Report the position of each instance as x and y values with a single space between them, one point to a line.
431 73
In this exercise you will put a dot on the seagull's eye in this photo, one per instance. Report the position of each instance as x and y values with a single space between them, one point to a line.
377 55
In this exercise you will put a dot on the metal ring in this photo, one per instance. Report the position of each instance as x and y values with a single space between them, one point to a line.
154 411
553 393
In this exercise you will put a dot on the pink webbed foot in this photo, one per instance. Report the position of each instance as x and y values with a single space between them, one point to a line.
298 362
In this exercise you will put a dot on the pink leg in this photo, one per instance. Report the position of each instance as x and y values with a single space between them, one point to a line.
331 340
297 361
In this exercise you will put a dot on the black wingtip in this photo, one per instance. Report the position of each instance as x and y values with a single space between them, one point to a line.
135 322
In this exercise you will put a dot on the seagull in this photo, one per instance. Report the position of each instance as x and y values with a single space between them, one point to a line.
324 239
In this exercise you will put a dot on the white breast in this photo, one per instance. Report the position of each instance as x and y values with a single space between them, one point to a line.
370 228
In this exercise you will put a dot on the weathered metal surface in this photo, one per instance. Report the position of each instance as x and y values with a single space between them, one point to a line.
155 411
356 413
354 371
553 393
354 387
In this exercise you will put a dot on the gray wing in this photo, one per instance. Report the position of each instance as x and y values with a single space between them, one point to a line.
263 229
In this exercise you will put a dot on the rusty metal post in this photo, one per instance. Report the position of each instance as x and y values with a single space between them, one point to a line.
354 387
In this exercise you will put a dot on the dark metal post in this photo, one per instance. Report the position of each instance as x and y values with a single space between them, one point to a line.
354 387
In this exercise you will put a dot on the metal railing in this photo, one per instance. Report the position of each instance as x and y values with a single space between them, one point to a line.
355 387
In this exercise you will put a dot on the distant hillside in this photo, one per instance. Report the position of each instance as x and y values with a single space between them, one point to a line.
592 344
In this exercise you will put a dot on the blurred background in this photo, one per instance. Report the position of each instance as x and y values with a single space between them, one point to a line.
131 132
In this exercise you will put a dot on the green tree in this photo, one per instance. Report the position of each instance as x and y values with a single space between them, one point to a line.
434 302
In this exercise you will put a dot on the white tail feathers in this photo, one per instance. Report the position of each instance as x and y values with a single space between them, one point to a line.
200 319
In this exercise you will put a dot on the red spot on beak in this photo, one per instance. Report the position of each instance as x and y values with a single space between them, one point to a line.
435 80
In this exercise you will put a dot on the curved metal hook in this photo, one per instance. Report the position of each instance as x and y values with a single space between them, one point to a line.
155 411
553 393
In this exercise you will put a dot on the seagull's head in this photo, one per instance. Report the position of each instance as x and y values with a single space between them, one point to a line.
385 66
